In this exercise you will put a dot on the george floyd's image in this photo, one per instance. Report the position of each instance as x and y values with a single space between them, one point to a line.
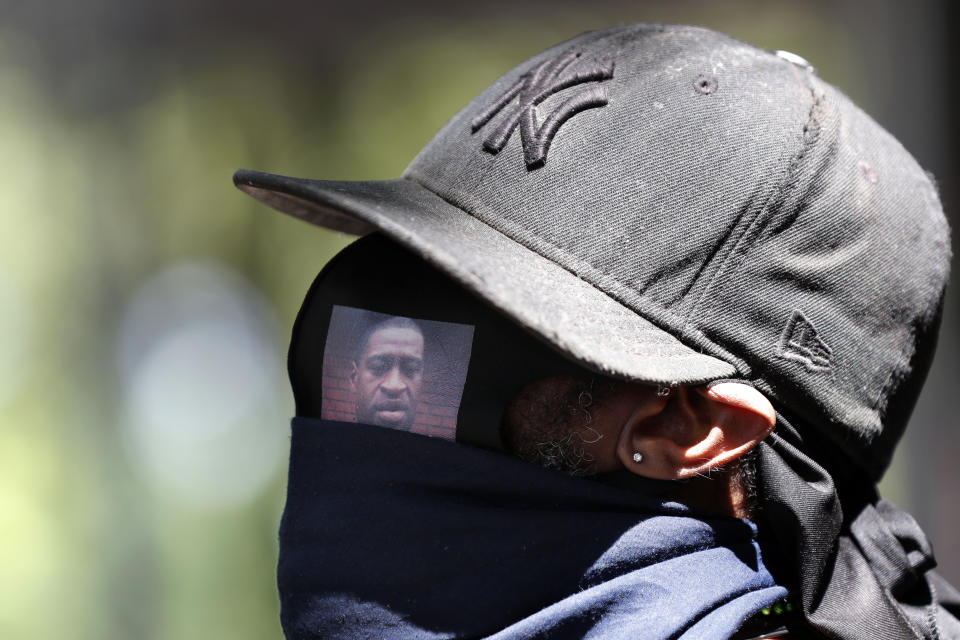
387 373
392 371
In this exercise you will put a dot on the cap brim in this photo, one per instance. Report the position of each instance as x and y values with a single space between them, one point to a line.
572 315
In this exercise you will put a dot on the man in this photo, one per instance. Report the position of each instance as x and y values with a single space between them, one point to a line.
733 278
387 373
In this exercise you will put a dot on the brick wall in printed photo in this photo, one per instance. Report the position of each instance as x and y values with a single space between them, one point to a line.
446 359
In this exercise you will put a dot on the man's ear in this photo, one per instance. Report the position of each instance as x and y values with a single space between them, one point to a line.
354 372
698 430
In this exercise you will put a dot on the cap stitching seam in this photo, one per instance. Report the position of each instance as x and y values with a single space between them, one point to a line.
736 254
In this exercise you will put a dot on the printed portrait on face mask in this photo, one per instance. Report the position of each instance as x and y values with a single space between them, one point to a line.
393 371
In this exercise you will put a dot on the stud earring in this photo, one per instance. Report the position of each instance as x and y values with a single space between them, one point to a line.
637 457
663 391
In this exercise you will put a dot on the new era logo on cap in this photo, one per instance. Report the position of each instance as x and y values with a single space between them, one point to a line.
800 341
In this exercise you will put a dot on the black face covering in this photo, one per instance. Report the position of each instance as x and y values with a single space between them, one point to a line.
394 536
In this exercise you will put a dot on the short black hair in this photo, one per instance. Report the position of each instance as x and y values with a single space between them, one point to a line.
393 322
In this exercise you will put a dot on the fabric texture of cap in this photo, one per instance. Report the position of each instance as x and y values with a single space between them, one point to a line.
670 205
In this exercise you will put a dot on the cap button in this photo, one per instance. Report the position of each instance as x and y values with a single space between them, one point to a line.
795 59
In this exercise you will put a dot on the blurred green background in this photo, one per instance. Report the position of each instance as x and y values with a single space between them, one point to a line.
145 303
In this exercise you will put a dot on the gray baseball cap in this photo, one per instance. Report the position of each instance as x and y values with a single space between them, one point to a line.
670 205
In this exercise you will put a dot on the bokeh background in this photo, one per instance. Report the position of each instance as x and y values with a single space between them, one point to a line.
145 303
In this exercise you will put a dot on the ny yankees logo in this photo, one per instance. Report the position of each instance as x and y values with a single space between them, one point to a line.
530 90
